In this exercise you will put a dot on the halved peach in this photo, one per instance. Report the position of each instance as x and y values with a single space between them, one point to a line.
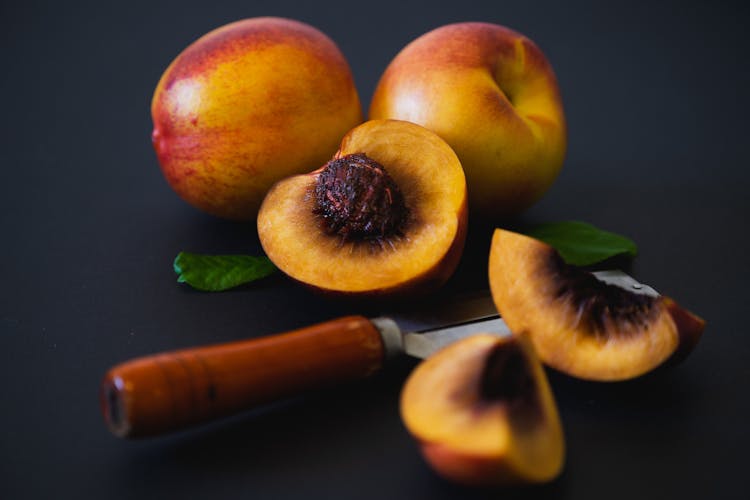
386 215
579 324
483 413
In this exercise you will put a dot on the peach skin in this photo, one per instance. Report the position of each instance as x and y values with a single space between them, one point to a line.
491 94
248 104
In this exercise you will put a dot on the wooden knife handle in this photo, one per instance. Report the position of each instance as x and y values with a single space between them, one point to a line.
168 391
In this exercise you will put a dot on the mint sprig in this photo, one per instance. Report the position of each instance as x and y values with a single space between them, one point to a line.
582 244
215 273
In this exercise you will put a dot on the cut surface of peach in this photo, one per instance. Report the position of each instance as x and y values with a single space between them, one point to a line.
483 412
578 324
425 251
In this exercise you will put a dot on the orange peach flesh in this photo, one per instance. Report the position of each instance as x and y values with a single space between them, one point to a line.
492 95
431 179
469 440
525 295
246 105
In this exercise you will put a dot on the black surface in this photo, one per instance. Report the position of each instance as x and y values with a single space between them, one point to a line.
656 99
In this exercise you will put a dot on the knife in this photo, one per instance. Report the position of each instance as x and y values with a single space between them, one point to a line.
164 392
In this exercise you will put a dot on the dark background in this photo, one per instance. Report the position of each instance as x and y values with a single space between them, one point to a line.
655 96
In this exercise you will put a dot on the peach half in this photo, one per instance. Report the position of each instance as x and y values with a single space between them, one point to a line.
492 95
578 324
248 104
483 413
386 215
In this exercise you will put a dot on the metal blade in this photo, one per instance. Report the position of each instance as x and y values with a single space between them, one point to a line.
450 311
432 329
619 278
422 345
446 311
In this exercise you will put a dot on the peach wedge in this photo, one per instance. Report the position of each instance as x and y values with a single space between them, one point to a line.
483 413
578 324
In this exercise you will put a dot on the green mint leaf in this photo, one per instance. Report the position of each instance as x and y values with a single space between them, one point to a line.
582 244
214 273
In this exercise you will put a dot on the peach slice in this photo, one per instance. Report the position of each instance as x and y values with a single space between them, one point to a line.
348 228
579 324
483 413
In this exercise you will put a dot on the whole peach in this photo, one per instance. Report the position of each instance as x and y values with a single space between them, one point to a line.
491 94
246 105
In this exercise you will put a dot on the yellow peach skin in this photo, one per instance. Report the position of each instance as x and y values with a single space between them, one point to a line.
246 105
492 95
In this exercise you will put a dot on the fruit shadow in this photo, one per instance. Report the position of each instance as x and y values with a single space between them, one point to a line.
444 489
661 390
197 232
648 412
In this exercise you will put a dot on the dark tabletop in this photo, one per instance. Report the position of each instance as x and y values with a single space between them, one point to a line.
656 99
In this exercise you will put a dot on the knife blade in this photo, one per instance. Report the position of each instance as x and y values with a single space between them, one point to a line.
168 391
473 314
